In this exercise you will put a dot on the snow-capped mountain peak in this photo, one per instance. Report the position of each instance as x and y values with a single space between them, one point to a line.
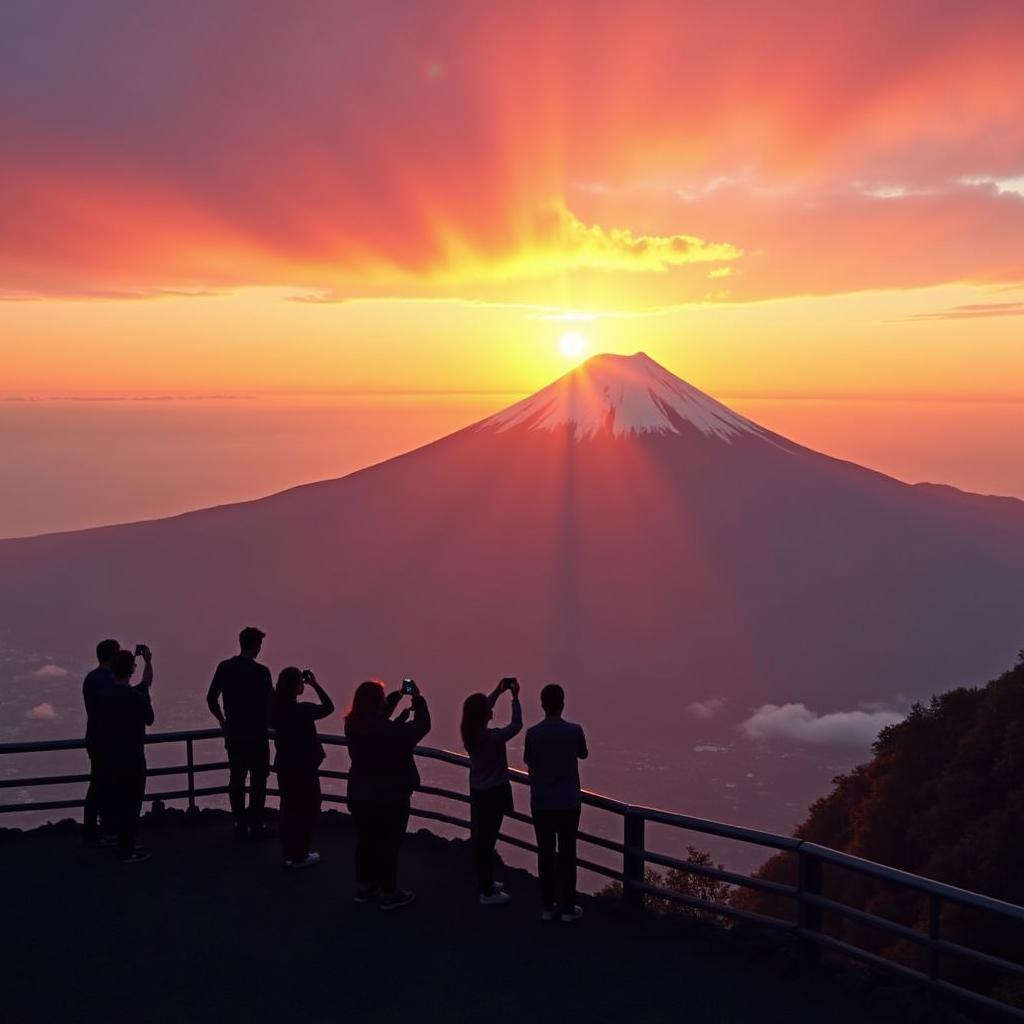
621 395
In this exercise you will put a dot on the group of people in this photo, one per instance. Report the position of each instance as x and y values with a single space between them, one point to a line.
381 779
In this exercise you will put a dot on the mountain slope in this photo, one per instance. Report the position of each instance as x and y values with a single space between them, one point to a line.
619 531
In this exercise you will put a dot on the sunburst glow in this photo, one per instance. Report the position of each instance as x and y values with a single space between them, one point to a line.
572 344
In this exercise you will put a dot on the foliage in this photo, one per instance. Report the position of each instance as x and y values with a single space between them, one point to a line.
942 797
683 883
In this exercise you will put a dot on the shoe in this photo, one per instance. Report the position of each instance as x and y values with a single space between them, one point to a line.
397 899
308 861
258 832
366 893
571 915
498 886
547 915
496 898
135 857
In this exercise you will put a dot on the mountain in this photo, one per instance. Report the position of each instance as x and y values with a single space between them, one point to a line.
619 530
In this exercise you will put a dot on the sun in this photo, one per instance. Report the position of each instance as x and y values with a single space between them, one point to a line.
572 344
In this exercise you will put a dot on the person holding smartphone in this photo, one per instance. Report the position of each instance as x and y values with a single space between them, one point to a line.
127 711
297 762
490 791
381 782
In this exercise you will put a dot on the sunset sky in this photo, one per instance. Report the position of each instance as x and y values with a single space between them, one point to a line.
787 200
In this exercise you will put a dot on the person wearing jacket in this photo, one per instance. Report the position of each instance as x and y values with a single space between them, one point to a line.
127 711
381 781
490 791
299 755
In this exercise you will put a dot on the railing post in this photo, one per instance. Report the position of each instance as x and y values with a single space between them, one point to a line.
190 761
934 934
633 859
809 884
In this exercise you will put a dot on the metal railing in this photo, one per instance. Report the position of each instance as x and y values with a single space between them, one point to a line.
807 896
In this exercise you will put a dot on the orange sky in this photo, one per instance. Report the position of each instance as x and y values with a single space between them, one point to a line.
773 199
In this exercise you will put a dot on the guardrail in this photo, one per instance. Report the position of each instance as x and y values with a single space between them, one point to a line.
807 895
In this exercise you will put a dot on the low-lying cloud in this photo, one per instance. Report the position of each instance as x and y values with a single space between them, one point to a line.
42 713
49 671
705 709
798 722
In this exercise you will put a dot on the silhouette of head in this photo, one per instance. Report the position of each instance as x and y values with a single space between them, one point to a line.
105 651
250 640
552 699
123 665
289 686
367 702
476 713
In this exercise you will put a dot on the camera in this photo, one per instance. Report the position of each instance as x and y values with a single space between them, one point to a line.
408 687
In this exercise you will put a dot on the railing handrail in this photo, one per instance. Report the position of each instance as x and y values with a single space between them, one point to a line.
706 826
811 902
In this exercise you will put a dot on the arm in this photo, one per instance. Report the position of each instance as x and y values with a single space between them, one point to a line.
213 696
527 753
492 697
581 750
505 733
420 724
391 701
147 713
147 671
326 706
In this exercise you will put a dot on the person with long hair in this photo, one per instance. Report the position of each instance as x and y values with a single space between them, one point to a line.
298 760
381 782
490 791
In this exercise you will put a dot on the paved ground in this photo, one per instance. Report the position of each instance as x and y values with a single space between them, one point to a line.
210 930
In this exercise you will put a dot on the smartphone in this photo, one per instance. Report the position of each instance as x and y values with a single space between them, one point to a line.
508 682
306 675
408 686
140 649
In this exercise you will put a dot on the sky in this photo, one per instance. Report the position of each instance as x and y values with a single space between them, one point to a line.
793 201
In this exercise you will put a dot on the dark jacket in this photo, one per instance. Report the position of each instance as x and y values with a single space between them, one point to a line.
383 766
298 748
94 688
247 690
127 710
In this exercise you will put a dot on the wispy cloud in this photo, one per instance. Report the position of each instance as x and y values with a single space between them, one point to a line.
50 671
971 310
798 722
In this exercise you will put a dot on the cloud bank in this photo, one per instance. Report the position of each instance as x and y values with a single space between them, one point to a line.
42 713
798 722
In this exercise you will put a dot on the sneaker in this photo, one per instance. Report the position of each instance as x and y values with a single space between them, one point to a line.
496 898
366 893
547 915
571 915
397 899
135 857
498 886
307 862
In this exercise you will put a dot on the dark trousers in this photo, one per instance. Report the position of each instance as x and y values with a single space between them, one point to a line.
300 807
124 788
380 826
488 808
95 813
556 856
248 758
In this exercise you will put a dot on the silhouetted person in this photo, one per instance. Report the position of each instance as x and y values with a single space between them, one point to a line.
490 791
298 760
552 753
127 710
96 815
247 692
380 785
